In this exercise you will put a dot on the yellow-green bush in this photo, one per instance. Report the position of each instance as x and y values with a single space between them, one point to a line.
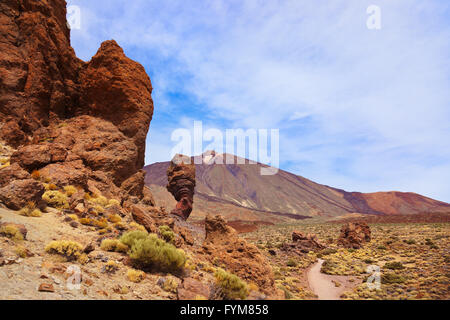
147 250
114 218
112 203
167 234
111 266
30 210
21 252
113 245
100 200
136 226
70 249
11 232
231 285
135 275
170 285
56 199
70 190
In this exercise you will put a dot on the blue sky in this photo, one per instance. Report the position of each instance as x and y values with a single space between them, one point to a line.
358 109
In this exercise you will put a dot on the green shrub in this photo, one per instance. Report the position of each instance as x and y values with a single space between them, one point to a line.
70 249
410 241
56 199
30 210
167 234
147 250
328 251
394 265
291 263
231 285
390 278
11 231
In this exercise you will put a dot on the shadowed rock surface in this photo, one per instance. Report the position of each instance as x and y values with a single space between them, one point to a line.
78 123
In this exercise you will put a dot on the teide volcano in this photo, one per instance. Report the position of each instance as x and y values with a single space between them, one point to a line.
240 192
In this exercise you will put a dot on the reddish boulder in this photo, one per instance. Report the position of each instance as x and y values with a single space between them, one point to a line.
22 229
12 172
18 193
64 174
134 185
191 289
354 235
32 156
302 243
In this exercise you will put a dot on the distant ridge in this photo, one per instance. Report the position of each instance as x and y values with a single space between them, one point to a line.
285 194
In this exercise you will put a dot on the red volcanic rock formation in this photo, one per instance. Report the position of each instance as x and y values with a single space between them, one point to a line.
241 258
302 244
354 234
76 122
181 177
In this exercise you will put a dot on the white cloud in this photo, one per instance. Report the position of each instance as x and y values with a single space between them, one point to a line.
366 110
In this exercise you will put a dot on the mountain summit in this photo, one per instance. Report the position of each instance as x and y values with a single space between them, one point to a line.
238 186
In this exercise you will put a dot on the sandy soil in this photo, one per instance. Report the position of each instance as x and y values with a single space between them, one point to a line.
21 279
328 287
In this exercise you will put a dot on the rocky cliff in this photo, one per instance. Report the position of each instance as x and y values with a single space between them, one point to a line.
78 123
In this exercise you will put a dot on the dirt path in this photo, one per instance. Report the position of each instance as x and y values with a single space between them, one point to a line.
328 287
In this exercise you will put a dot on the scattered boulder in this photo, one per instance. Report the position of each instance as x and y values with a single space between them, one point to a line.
18 193
134 185
302 244
192 289
64 174
12 172
148 197
354 235
181 177
46 287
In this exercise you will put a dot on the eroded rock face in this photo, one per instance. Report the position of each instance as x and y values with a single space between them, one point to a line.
18 193
354 235
64 115
302 243
12 172
181 184
241 258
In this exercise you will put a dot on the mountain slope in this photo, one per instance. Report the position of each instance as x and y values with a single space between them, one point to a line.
286 194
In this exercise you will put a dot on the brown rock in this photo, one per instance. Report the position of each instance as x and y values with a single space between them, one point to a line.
67 173
148 197
181 184
32 156
61 109
143 218
18 193
89 248
190 289
134 185
302 244
354 235
46 287
12 172
241 258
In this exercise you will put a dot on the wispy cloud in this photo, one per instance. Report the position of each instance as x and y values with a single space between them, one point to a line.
359 109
